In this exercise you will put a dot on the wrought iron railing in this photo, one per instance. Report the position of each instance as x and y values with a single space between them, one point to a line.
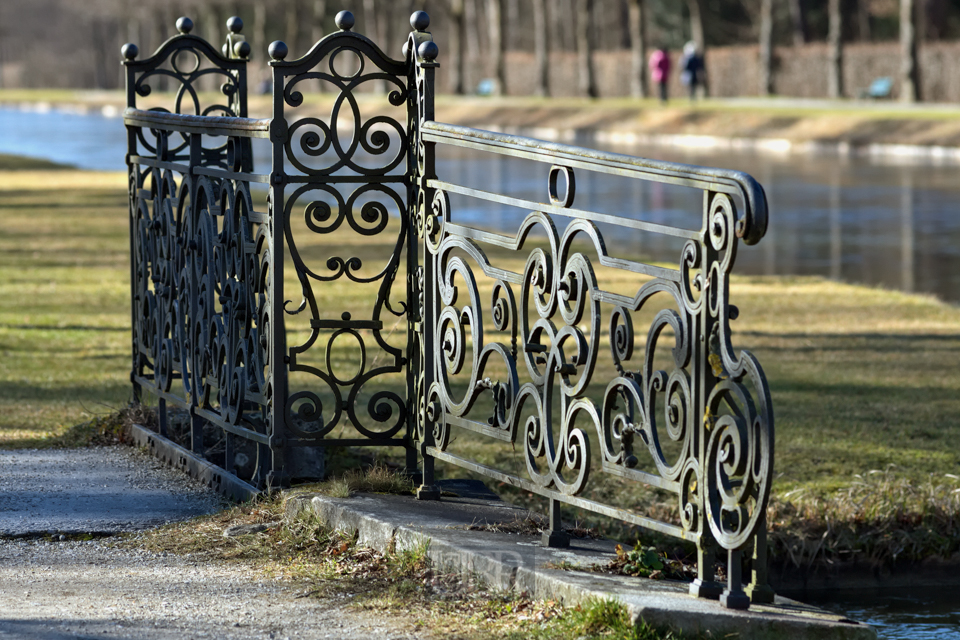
553 366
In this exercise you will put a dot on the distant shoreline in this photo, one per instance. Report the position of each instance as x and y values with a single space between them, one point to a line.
925 133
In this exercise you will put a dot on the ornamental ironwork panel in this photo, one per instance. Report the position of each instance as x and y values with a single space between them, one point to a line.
341 185
581 360
200 251
517 327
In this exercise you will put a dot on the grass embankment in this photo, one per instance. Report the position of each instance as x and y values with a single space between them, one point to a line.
863 380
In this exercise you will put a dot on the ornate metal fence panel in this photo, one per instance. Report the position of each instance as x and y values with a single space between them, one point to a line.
201 253
516 360
581 359
340 186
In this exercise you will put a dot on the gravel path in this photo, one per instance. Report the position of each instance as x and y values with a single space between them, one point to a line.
100 489
80 590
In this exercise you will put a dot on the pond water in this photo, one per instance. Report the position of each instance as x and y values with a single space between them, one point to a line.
852 219
856 220
913 614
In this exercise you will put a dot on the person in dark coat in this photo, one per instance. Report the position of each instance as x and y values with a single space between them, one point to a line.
691 69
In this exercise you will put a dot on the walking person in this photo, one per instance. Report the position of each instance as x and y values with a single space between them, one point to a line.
660 71
691 69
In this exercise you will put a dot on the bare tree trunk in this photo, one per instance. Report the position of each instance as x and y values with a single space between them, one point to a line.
540 47
259 26
209 27
585 73
909 85
863 19
637 17
319 17
766 47
513 29
696 25
471 18
371 26
318 31
133 27
99 64
798 22
495 31
561 19
161 31
374 29
455 55
293 29
209 23
698 36
835 51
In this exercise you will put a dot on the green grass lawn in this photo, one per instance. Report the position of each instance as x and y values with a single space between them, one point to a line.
862 378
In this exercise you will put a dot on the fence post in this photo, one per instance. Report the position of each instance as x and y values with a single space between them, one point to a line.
703 380
277 381
129 52
424 52
196 422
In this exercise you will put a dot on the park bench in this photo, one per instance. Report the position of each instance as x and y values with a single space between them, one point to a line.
879 89
522 339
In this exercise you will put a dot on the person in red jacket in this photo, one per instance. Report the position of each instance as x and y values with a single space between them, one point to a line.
660 70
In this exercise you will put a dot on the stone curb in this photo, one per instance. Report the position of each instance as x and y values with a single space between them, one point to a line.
518 562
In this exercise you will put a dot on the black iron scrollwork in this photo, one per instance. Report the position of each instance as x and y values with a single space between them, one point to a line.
351 177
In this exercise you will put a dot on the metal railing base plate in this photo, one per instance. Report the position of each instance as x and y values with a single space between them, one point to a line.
169 452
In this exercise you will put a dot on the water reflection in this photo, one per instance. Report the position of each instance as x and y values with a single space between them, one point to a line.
840 218
912 614
855 220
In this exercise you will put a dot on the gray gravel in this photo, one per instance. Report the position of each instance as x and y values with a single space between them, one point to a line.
79 590
103 489
60 590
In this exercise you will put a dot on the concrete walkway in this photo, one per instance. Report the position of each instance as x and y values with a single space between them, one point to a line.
519 562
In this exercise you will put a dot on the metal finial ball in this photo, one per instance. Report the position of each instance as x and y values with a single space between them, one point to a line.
278 50
235 24
184 25
428 51
242 49
345 21
419 20
129 51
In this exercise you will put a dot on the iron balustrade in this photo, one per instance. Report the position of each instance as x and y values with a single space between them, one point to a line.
554 364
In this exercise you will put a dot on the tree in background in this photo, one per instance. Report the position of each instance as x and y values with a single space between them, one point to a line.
909 84
766 47
637 21
455 57
698 35
495 27
66 43
541 47
586 75
798 22
835 51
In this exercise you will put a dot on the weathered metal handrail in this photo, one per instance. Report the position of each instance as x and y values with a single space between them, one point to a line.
751 226
530 381
206 125
215 335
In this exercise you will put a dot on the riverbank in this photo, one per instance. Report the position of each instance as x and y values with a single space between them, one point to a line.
928 132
